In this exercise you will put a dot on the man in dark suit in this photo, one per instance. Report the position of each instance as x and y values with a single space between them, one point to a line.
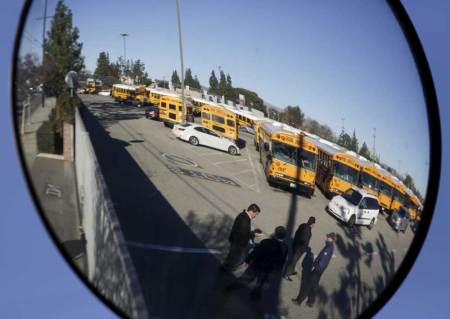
266 258
239 238
300 244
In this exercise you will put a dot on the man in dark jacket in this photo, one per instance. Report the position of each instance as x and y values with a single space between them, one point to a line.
300 244
239 238
319 266
266 258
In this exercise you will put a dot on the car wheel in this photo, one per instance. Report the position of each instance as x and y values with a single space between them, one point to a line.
351 221
232 150
193 140
372 224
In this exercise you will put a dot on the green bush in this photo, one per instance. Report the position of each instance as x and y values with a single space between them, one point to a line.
48 139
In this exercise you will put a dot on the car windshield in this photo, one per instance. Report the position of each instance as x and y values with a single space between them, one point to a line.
345 173
369 181
352 196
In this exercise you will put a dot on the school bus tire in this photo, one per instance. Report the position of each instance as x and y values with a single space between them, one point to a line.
193 140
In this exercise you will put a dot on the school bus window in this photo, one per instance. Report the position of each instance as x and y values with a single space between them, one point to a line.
218 119
218 128
173 116
369 181
346 173
230 123
308 160
163 104
205 115
172 107
179 108
385 189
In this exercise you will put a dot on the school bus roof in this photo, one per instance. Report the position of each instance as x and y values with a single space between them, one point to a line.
166 92
202 100
277 127
247 114
124 86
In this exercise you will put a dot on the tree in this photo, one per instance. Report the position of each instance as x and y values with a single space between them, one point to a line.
28 75
222 84
138 71
293 116
62 51
196 84
364 151
103 66
344 140
213 83
175 79
188 79
354 145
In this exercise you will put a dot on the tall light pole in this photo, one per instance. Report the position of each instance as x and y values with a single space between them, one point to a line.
181 62
124 35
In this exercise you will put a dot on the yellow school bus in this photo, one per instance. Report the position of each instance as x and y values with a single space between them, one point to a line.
398 194
219 119
288 157
370 177
170 109
337 169
155 94
386 189
123 93
256 127
93 86
141 95
412 204
244 118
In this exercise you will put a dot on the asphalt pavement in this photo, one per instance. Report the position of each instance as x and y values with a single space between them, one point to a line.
176 204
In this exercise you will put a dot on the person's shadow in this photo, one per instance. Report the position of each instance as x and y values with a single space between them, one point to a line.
307 265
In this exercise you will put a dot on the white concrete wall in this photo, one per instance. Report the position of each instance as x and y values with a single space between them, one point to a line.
109 266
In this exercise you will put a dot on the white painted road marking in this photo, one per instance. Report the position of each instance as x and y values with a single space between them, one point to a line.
173 249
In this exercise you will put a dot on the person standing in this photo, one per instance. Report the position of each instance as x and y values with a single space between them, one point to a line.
319 266
300 244
239 238
267 257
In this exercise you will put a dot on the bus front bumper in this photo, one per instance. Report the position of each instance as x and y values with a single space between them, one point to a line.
290 183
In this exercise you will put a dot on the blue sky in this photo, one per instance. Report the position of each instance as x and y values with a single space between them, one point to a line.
346 60
37 283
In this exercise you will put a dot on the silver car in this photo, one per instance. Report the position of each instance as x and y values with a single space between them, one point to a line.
400 220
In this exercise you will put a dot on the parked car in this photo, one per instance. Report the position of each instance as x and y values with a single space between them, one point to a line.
247 129
152 112
200 135
355 206
399 219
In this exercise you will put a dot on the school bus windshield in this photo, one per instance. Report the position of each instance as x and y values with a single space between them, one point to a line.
345 173
292 155
369 181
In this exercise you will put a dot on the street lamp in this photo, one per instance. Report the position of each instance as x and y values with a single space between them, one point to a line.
181 62
124 35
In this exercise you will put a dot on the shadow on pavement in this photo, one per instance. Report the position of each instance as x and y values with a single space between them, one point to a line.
176 284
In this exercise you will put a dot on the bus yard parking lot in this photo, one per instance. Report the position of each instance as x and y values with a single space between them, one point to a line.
176 204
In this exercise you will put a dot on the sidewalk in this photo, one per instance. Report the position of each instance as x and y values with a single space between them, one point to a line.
55 185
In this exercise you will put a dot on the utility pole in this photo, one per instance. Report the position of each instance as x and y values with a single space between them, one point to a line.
343 125
374 138
181 62
44 23
124 35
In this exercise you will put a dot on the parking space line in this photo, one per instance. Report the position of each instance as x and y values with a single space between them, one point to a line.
173 249
244 171
254 171
235 161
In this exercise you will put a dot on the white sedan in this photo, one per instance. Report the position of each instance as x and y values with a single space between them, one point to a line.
200 135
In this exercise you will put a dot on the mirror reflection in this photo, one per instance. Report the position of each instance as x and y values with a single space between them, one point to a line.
224 159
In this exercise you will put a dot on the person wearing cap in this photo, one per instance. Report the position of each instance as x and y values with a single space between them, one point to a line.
239 238
300 244
319 266
268 257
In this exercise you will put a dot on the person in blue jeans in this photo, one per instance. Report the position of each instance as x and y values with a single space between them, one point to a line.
320 264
